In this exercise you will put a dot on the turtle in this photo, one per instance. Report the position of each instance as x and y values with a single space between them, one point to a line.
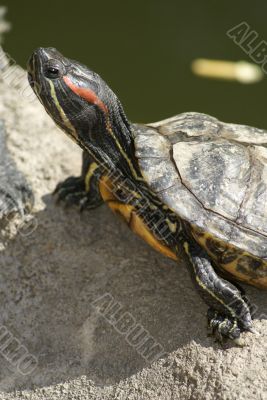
190 185
16 195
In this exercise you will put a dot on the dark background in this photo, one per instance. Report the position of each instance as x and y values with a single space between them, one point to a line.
144 49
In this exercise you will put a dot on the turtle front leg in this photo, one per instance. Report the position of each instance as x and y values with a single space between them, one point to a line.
81 191
229 314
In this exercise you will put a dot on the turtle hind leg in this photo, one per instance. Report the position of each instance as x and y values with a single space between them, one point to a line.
229 314
83 191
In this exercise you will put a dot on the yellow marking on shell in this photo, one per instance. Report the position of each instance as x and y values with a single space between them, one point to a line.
134 221
89 175
61 112
232 267
138 226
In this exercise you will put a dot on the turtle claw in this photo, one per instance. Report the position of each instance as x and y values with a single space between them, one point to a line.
72 193
224 327
72 200
253 330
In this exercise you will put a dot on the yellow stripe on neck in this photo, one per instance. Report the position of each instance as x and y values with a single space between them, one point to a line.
61 112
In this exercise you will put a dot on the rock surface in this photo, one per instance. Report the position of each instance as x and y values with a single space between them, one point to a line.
53 275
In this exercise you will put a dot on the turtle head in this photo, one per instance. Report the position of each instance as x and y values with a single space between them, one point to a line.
80 103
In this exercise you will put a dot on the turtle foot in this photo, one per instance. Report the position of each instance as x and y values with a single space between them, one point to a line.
72 193
224 327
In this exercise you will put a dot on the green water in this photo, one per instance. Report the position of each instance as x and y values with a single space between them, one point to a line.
143 49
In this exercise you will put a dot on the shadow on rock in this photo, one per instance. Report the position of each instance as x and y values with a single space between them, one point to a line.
73 289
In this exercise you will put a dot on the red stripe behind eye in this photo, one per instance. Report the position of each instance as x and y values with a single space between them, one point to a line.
86 94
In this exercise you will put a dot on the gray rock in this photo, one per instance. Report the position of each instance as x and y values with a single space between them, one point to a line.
16 196
55 273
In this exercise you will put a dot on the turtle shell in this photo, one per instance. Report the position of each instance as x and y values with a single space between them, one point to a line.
211 174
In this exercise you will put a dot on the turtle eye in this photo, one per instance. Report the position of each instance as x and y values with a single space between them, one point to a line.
52 72
54 69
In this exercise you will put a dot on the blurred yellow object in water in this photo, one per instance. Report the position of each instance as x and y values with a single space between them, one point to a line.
241 71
